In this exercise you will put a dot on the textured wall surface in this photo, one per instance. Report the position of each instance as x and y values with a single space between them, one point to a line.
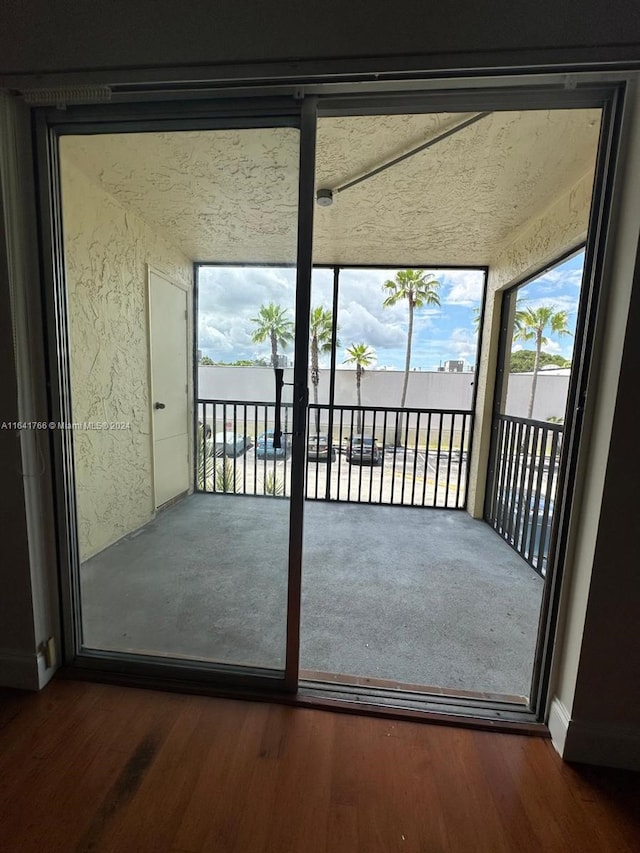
106 252
542 240
562 225
452 203
223 195
233 193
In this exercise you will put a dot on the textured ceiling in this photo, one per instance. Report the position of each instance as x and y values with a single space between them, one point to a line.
232 195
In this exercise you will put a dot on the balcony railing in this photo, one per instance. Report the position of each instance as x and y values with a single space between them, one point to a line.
524 474
411 457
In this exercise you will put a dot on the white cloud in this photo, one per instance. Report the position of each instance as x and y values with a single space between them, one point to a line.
560 277
229 297
461 287
463 343
358 323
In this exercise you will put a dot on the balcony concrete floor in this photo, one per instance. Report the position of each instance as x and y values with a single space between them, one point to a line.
417 596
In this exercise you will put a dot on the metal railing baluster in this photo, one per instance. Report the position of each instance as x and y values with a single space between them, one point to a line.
439 450
360 466
384 419
404 458
235 446
448 480
395 453
350 449
426 460
461 452
523 509
244 452
415 462
521 506
383 466
340 448
373 434
214 449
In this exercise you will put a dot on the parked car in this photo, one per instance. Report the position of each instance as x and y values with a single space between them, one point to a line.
265 448
231 443
364 450
319 448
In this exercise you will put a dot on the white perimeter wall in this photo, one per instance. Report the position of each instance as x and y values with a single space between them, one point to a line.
427 390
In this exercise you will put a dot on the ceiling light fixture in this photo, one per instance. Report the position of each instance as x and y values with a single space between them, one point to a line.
324 198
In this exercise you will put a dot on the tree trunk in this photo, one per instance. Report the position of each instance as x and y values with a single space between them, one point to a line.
274 350
534 380
405 383
359 415
407 363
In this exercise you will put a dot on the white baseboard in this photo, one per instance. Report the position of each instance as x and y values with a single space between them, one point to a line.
593 743
559 721
45 673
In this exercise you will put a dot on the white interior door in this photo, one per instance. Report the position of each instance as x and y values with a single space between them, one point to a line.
168 306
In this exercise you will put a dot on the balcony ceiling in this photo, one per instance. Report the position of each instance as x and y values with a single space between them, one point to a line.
230 196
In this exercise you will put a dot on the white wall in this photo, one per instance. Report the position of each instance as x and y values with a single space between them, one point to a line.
426 390
107 249
550 400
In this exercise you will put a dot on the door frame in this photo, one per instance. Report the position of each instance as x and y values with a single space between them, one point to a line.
151 269
50 126
197 115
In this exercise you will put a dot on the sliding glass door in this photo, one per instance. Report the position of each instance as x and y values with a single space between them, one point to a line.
170 565
186 346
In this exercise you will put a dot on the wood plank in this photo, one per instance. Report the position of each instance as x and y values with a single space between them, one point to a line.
96 768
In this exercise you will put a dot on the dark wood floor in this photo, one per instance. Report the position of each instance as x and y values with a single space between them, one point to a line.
89 767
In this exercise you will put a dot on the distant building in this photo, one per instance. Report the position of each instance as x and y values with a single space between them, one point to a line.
452 365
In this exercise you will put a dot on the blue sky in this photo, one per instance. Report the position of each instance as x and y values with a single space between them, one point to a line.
560 287
230 296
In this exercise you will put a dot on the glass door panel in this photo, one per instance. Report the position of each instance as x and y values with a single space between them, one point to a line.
182 498
402 588
539 322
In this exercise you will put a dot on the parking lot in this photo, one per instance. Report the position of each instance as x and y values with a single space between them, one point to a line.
422 478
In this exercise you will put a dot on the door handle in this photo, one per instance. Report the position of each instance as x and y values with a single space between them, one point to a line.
277 425
159 406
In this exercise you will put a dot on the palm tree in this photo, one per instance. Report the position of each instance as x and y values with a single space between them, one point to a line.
273 325
320 327
530 325
477 313
361 355
419 289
